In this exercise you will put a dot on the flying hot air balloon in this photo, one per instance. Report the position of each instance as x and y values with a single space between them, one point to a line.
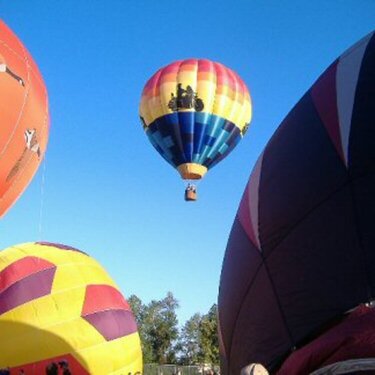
194 113
24 118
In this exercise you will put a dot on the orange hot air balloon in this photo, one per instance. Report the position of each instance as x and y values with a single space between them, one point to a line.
24 118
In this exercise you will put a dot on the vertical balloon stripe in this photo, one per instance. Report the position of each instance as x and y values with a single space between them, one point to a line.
236 106
172 128
248 212
168 138
155 102
232 141
167 87
186 121
187 74
202 119
198 140
324 96
173 68
346 80
223 79
156 140
209 100
206 87
197 127
239 101
183 150
246 114
222 97
151 82
212 131
187 77
233 113
240 106
221 139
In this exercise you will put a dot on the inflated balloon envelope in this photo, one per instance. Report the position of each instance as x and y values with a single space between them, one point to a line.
194 113
59 309
301 251
24 118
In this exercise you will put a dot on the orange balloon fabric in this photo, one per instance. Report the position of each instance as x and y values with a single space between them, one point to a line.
24 118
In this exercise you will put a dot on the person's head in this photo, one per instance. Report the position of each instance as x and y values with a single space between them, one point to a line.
254 369
63 364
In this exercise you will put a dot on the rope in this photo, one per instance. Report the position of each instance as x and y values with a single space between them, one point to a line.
42 183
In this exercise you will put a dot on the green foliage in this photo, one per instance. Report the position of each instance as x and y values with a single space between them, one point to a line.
189 342
158 328
197 343
199 340
209 341
139 311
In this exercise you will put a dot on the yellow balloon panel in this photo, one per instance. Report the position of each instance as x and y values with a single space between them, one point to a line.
221 91
58 306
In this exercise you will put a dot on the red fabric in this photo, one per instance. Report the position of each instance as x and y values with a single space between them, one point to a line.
324 96
103 297
244 217
352 338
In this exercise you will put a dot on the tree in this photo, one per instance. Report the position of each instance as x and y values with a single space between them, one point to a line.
189 342
209 340
139 311
136 306
161 342
199 342
157 325
161 325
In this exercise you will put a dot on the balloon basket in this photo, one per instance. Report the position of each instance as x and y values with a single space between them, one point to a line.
190 195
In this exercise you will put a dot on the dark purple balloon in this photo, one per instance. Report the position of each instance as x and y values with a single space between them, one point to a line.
302 248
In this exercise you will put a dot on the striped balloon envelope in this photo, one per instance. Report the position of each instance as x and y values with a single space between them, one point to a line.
61 311
194 113
24 118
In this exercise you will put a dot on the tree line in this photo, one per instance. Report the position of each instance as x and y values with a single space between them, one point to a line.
196 342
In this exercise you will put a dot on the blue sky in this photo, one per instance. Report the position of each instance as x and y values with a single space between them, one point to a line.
103 188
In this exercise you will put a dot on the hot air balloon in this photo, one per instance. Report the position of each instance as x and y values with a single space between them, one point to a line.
298 277
194 113
24 118
60 310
